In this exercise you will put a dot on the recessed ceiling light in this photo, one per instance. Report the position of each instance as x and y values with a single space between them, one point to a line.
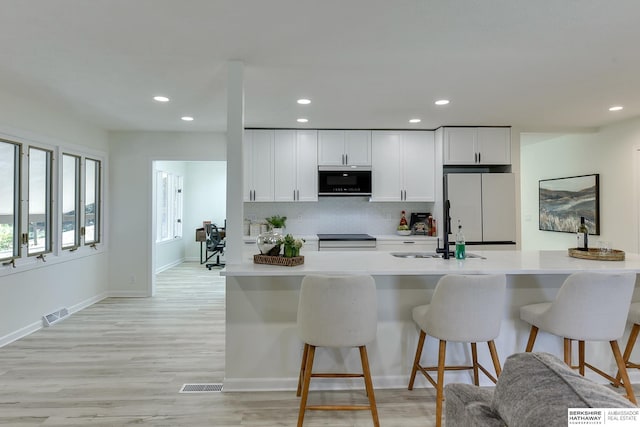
303 120
161 98
442 102
304 101
187 118
616 108
414 121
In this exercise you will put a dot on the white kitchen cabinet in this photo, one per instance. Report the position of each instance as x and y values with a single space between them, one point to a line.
296 166
344 148
485 205
258 165
403 166
477 146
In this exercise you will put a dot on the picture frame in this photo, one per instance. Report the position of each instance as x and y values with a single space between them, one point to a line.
562 201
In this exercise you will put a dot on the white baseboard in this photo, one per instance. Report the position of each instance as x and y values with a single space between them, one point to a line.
36 326
20 333
126 293
170 265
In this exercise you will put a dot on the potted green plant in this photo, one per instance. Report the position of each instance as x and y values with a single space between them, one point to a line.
292 246
276 223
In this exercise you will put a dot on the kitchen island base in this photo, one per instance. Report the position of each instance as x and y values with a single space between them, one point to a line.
263 351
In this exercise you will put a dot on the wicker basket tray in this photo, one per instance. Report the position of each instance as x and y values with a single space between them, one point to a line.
596 254
278 260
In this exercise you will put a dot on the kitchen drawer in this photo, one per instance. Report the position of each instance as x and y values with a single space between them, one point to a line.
405 245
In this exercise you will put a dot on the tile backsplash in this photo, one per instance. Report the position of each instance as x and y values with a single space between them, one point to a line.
337 215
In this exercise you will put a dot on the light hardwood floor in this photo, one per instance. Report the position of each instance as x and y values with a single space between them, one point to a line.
123 361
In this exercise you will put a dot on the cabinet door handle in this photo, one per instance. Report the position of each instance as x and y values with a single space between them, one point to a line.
346 159
479 158
298 195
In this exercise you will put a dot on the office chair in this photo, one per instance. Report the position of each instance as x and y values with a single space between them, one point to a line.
215 245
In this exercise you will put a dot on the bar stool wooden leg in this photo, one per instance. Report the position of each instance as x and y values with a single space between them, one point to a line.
532 338
302 366
581 357
369 385
494 358
567 351
416 360
440 385
633 336
474 357
305 384
622 370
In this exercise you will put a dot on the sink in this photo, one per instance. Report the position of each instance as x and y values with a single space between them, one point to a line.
428 255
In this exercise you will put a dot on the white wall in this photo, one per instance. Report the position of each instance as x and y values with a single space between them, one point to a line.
204 200
609 152
25 296
131 157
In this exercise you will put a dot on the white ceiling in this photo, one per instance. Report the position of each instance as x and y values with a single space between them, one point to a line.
544 65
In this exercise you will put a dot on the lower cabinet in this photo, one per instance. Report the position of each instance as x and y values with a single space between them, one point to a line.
410 244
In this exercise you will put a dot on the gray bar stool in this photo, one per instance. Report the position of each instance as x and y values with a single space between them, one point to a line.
588 307
336 311
464 308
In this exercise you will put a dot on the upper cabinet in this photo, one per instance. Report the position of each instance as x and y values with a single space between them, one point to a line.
403 166
344 148
296 166
258 165
477 146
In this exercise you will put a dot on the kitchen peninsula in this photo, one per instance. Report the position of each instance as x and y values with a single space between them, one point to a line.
263 351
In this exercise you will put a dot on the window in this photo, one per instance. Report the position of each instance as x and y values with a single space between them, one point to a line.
168 206
92 202
47 203
9 199
70 201
39 201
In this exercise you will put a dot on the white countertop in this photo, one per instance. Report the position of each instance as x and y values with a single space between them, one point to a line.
380 263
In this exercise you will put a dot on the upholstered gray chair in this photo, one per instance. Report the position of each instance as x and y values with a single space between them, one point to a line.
336 311
588 307
464 308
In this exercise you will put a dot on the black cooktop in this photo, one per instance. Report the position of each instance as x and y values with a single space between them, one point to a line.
345 237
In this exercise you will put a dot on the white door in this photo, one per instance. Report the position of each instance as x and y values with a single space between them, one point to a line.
464 191
357 147
385 167
307 165
498 207
460 146
284 162
494 146
331 147
262 165
418 166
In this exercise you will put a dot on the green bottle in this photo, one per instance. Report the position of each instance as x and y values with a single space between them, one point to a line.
460 246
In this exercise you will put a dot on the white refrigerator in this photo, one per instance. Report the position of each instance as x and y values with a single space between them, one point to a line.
485 205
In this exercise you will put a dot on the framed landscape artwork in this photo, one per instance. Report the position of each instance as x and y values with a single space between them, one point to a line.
564 200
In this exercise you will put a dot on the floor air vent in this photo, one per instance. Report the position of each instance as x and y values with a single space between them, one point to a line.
55 317
201 388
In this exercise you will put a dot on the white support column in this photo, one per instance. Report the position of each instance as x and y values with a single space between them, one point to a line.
235 136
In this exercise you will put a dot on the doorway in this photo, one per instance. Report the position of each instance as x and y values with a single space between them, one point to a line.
184 195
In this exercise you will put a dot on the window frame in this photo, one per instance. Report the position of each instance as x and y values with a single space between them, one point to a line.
77 200
49 205
17 238
174 206
97 203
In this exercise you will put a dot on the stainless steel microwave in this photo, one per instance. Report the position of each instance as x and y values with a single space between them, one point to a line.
344 181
